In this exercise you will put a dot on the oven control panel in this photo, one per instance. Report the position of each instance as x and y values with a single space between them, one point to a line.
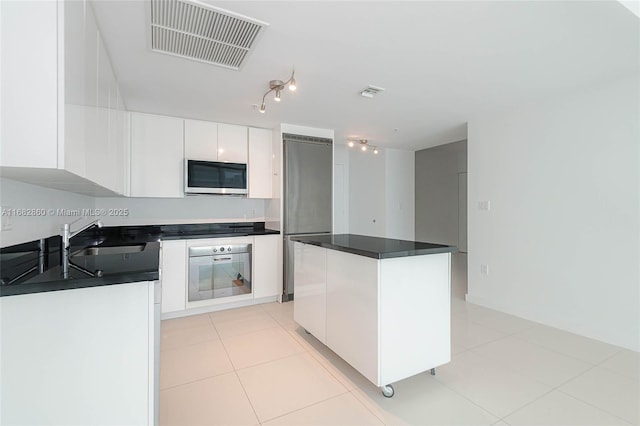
223 249
218 250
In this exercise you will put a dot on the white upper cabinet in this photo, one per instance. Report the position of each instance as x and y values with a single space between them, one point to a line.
29 84
157 156
260 163
232 143
200 140
60 100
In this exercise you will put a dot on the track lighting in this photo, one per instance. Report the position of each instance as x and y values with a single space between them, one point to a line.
277 86
363 144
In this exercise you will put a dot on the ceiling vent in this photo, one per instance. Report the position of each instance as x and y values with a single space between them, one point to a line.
371 91
197 31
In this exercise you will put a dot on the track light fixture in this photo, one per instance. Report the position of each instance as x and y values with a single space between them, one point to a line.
364 145
278 86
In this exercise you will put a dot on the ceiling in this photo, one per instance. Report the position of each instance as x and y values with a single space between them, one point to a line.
441 63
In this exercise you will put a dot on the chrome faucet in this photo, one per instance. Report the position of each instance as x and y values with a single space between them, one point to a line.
67 234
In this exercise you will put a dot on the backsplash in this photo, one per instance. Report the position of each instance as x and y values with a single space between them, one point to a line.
32 212
190 209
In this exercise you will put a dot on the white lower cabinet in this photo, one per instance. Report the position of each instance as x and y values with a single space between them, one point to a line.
388 318
266 251
309 309
352 310
173 275
79 357
266 274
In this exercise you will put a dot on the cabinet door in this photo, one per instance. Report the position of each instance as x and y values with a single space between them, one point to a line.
93 341
74 86
29 120
352 310
157 156
266 249
260 163
309 305
200 140
173 275
232 143
98 159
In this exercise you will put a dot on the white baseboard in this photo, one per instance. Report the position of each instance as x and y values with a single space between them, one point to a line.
218 307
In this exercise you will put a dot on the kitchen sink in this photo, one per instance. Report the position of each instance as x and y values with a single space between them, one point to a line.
95 251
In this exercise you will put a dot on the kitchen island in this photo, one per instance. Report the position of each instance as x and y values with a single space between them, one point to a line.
382 305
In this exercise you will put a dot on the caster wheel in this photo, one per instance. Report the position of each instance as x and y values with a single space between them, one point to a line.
433 371
305 330
387 391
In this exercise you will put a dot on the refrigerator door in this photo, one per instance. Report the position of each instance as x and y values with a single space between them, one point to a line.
307 187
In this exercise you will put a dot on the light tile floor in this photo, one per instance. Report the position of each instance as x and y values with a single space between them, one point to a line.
255 365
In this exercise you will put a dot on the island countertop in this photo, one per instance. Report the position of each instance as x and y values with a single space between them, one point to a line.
374 247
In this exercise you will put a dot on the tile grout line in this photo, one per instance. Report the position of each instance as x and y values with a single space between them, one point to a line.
365 406
288 356
566 354
536 324
235 371
471 401
306 406
594 406
557 388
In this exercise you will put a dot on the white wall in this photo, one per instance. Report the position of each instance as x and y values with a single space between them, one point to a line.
340 189
367 193
400 194
18 195
562 236
191 209
381 193
436 177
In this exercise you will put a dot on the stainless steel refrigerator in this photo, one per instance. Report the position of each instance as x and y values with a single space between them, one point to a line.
308 171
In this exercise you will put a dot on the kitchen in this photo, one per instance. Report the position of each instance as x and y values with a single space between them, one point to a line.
372 195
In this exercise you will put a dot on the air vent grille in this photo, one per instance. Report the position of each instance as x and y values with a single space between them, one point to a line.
290 137
371 91
204 33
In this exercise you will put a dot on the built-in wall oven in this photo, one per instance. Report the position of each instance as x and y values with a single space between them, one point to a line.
219 271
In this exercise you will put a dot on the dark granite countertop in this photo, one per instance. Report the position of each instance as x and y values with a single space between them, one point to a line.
374 247
38 266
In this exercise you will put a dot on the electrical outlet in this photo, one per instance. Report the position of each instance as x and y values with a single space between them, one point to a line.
484 269
484 205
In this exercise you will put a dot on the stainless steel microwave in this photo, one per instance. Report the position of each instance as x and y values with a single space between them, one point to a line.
215 177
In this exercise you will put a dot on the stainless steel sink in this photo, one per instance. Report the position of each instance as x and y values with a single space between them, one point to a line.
94 251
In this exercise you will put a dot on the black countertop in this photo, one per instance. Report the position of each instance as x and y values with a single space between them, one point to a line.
374 247
38 266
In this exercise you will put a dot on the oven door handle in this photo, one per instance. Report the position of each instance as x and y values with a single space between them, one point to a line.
219 259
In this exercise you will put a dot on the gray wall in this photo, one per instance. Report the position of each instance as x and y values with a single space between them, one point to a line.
436 173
